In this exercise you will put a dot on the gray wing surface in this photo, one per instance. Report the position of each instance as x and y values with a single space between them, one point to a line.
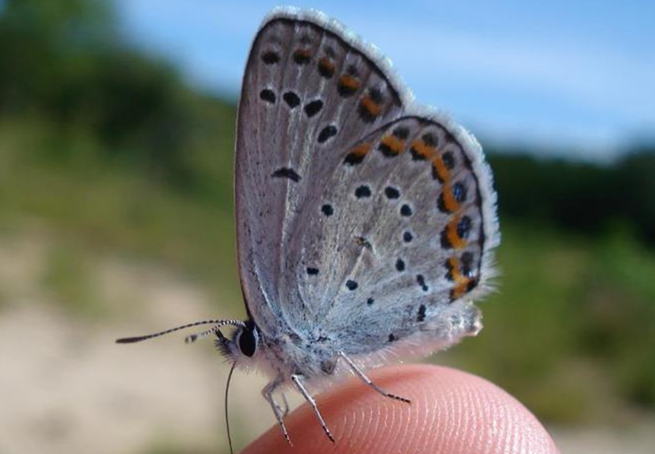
407 239
309 91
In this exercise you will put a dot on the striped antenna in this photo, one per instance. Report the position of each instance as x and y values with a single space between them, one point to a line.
194 337
217 323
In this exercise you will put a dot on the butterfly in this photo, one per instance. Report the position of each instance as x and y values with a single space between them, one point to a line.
366 223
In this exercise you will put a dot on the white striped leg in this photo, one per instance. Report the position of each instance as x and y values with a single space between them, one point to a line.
297 380
360 373
285 410
280 413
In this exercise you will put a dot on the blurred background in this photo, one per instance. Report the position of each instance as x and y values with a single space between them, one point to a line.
116 214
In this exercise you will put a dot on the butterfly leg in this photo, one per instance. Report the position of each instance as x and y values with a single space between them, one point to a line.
279 412
297 380
285 410
360 373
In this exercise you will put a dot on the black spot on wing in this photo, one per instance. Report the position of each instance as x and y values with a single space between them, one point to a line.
391 193
420 280
459 192
376 95
291 99
448 160
351 285
270 57
286 172
472 284
313 107
467 264
429 139
354 158
464 227
326 133
362 191
267 95
421 313
401 132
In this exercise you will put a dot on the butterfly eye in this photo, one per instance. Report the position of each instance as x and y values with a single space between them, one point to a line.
247 341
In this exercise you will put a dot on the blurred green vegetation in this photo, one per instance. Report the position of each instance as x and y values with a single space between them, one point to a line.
112 151
570 330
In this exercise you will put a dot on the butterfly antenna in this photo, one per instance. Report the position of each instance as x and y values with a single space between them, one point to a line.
227 416
217 323
194 337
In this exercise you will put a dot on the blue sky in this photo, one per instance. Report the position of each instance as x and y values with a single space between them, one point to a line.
558 74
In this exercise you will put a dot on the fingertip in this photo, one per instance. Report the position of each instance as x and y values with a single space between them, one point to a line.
450 412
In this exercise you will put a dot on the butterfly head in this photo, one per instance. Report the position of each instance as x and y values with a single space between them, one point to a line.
242 346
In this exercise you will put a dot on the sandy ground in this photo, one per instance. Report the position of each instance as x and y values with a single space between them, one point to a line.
65 387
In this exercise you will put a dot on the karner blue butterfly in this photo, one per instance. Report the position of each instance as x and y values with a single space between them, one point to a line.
366 223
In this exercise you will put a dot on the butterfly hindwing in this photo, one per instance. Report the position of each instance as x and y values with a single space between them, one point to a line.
408 237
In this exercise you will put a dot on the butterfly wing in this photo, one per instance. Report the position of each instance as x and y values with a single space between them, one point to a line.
309 89
362 219
406 244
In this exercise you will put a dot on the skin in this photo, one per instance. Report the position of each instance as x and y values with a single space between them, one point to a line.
451 412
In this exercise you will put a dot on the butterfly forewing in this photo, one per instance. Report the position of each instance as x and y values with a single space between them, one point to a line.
308 92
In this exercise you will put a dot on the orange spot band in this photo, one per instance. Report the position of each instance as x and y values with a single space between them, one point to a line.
459 290
361 150
455 271
440 168
422 149
450 203
371 106
326 64
394 144
349 82
451 233
461 281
